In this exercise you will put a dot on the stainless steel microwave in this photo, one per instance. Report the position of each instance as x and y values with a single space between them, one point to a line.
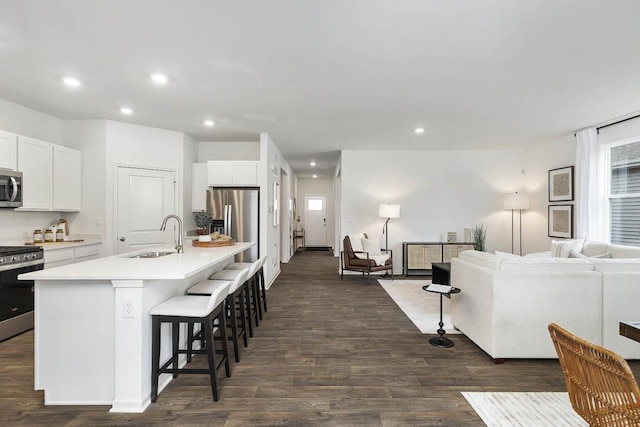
10 189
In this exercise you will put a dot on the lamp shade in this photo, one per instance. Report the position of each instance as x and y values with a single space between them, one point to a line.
389 211
516 201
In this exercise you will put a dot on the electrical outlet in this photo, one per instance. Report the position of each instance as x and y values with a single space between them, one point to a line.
127 309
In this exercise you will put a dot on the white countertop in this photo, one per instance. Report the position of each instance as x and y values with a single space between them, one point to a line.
122 267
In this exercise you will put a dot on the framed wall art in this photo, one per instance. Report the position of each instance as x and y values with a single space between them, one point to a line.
561 221
561 184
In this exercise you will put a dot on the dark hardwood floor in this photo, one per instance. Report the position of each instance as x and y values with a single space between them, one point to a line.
329 352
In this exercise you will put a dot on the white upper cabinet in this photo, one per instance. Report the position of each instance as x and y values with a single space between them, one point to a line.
66 179
198 187
8 150
50 176
35 162
232 173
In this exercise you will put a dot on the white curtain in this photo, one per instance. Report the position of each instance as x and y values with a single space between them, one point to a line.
592 203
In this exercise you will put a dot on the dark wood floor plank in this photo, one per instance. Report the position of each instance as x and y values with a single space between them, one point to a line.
329 352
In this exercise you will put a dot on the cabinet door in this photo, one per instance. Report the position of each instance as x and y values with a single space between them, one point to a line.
219 172
66 179
86 253
8 148
58 257
245 173
35 161
198 187
452 251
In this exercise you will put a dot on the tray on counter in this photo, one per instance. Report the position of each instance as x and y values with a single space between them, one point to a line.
213 243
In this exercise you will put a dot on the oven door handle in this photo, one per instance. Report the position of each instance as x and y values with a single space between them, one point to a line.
14 194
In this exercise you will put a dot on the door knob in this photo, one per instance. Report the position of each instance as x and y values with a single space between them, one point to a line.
122 239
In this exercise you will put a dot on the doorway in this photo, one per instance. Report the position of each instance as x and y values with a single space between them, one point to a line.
315 212
143 198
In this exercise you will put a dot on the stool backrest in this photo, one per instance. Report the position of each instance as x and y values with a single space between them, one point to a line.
255 266
239 280
218 295
263 261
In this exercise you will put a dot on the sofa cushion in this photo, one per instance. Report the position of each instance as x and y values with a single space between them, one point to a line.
591 248
483 259
606 265
620 251
507 255
548 264
545 254
574 254
561 248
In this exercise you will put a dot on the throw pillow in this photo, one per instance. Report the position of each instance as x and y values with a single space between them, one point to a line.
561 248
371 245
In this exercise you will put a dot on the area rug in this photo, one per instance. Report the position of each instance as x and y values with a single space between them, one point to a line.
524 409
421 307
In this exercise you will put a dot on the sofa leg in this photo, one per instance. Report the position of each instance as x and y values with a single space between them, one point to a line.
497 361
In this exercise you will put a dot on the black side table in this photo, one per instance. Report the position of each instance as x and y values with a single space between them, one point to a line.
440 276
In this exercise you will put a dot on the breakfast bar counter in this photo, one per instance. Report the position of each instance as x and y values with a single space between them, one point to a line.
92 324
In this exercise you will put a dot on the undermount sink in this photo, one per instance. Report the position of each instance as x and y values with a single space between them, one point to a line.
154 254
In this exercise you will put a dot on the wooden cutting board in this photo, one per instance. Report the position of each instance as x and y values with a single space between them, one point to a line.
213 243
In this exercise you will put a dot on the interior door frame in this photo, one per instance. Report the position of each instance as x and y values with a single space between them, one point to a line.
116 166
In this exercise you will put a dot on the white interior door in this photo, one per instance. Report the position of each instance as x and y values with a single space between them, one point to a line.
315 216
144 198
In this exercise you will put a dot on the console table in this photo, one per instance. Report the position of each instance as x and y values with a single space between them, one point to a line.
417 257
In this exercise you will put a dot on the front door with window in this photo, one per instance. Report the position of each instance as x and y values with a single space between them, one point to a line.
315 213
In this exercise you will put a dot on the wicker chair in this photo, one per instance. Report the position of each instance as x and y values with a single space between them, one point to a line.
600 383
349 261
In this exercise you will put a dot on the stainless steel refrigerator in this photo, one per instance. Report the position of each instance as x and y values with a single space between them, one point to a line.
235 212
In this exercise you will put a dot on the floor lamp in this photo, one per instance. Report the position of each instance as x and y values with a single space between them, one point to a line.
388 211
516 201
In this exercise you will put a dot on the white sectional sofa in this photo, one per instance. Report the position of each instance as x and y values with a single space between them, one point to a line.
507 301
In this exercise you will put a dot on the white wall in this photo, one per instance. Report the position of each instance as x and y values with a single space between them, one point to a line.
228 151
538 161
271 159
190 148
17 227
438 191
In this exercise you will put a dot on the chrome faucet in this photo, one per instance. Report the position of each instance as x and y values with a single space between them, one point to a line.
164 225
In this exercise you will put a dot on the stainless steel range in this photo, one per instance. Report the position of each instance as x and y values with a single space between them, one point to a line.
16 296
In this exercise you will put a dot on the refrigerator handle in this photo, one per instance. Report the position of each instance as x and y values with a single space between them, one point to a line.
228 222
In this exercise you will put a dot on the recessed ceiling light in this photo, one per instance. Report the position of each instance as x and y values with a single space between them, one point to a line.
126 110
71 81
159 78
315 176
312 164
209 123
419 130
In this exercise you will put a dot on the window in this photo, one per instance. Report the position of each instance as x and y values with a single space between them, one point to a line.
314 205
624 195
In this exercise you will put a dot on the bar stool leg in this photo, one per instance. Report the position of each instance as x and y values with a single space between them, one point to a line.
243 318
207 330
155 356
247 301
263 289
175 337
255 287
234 326
222 316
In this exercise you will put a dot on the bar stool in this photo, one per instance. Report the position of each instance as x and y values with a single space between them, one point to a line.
190 310
259 283
246 292
234 297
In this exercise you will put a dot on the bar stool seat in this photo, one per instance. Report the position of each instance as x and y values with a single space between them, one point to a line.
234 297
190 310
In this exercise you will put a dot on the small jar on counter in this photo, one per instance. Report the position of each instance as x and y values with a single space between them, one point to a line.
48 235
37 236
59 235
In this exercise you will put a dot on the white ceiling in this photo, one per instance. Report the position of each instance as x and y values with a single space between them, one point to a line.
323 76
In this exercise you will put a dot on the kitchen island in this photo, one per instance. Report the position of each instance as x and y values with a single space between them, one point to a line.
93 329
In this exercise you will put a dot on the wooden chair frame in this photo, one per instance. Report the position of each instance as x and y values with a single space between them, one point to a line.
601 386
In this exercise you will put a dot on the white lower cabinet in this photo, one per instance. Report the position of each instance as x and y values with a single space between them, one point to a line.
56 257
